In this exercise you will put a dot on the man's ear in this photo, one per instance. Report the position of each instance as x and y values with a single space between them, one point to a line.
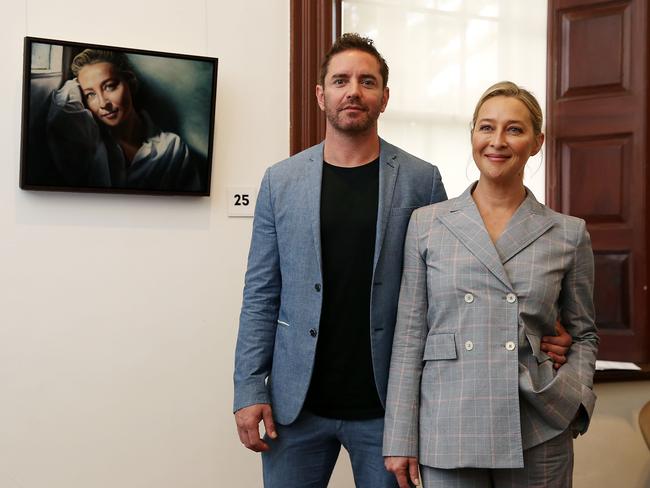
384 99
320 97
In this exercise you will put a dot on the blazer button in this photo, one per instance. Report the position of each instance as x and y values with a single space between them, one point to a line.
510 346
313 333
469 345
469 298
511 298
317 286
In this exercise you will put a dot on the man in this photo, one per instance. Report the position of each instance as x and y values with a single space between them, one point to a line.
322 284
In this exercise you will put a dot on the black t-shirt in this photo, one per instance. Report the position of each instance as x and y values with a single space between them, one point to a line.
343 384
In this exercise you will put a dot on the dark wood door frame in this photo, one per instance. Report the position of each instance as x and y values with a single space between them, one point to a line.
314 26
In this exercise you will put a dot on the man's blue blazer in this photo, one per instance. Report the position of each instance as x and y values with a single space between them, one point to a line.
281 309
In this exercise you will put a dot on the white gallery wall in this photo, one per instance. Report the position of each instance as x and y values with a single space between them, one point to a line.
118 314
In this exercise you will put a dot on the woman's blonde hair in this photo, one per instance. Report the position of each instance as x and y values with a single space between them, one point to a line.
510 89
117 59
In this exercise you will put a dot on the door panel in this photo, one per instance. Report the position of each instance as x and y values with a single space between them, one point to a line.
597 154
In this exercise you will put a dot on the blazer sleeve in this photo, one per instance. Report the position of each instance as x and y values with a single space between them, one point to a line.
438 193
578 317
261 302
401 422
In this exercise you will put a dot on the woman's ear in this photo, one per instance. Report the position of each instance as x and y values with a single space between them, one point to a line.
539 142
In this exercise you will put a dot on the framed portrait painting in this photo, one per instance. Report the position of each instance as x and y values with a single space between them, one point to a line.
107 119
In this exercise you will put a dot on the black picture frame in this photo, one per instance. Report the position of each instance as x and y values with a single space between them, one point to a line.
143 126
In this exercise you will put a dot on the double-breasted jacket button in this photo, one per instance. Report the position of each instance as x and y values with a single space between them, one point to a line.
313 332
317 286
511 298
469 298
469 345
510 346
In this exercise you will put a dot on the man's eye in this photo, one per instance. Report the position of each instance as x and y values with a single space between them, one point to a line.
338 81
369 82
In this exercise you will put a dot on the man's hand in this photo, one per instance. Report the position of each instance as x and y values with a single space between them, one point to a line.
557 346
248 419
403 468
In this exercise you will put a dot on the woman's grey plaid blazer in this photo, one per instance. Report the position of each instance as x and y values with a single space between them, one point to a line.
468 383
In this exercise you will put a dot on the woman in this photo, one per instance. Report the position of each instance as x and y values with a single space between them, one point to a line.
471 394
98 138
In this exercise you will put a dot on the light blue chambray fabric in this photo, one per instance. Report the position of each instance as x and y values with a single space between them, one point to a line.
280 316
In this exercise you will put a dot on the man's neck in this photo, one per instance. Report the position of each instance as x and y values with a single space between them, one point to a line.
351 150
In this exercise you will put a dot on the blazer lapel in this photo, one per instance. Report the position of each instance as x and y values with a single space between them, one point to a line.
313 180
465 222
527 224
388 168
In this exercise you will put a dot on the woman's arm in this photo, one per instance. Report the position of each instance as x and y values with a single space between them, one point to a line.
402 405
405 469
74 140
577 315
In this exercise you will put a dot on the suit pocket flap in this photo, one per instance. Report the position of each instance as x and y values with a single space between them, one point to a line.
440 346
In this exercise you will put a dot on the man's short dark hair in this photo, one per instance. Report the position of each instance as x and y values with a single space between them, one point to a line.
353 41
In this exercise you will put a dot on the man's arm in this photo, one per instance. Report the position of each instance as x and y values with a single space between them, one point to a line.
438 193
257 326
248 421
557 346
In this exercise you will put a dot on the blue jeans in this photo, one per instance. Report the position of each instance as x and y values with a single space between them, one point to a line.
305 452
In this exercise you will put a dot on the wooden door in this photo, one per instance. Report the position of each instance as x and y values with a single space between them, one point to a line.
597 147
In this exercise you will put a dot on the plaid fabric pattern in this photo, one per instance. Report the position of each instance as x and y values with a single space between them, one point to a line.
547 465
469 385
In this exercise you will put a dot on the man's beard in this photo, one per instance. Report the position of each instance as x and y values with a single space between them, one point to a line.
343 123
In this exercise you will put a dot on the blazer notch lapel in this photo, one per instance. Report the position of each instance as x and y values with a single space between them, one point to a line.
522 236
527 225
466 225
388 169
314 179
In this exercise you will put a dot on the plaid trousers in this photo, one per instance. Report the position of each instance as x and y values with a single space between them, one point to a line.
547 465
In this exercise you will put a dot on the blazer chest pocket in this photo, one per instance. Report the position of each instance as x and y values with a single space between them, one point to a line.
440 346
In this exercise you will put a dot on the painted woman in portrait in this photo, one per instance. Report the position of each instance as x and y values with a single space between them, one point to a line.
98 137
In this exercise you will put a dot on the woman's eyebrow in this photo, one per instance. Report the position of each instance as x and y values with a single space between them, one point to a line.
101 83
109 80
511 121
